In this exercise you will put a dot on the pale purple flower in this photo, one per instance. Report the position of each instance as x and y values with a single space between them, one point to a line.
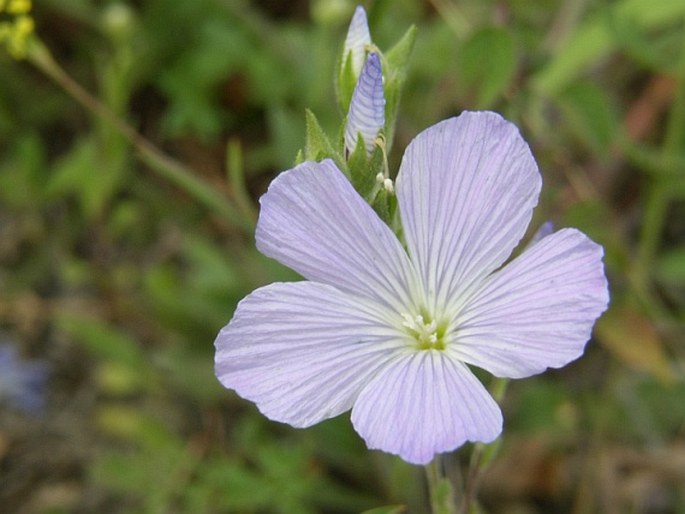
367 108
389 329
22 382
357 40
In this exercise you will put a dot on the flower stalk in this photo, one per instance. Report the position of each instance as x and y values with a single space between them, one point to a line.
164 165
440 490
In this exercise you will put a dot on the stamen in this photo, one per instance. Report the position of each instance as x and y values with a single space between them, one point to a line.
425 334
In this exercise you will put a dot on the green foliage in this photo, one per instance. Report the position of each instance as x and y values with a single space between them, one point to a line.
671 267
346 82
317 145
589 113
543 405
486 65
364 169
442 497
602 34
104 341
89 176
397 62
120 264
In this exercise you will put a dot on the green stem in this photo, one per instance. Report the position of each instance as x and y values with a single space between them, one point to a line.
440 489
236 177
660 191
473 477
167 167
482 454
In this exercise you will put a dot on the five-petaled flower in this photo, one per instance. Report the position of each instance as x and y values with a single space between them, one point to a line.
389 328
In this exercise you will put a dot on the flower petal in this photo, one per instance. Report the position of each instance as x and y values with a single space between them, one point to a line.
302 351
313 221
538 311
466 189
425 403
367 108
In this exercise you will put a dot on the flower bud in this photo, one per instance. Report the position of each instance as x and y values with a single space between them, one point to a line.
357 40
367 108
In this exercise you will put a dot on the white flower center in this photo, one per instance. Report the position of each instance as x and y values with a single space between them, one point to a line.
428 335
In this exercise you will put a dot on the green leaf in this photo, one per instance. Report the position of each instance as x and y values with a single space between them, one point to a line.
117 379
191 372
22 174
442 497
84 173
382 204
102 340
299 157
659 52
212 272
486 65
318 146
665 164
590 115
397 58
189 81
538 409
363 169
490 452
131 423
396 65
670 268
595 39
345 83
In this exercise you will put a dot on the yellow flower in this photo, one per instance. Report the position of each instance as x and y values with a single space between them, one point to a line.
16 29
18 6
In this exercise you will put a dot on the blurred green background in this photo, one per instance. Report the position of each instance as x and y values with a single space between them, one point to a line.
126 240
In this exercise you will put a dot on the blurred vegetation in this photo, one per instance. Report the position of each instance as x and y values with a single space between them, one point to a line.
133 148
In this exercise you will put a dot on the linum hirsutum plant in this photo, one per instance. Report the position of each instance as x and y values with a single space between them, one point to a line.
407 284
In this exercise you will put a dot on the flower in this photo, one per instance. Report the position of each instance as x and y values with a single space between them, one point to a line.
388 329
22 382
356 42
367 108
15 32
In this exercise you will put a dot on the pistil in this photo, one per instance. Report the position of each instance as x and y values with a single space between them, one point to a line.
428 335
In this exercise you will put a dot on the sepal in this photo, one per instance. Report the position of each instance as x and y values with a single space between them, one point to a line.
317 145
396 64
364 169
299 157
